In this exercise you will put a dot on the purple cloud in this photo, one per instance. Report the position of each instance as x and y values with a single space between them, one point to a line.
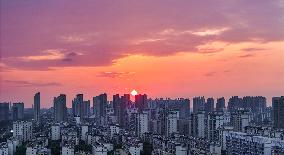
22 83
114 74
246 56
103 31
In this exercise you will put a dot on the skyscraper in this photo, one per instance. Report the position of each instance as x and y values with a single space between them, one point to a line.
60 110
215 120
235 103
76 104
143 123
141 102
100 104
37 107
4 111
80 107
209 105
85 110
220 105
172 122
18 111
198 104
116 104
278 111
240 119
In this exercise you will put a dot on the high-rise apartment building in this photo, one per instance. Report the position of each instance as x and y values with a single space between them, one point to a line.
4 111
143 123
141 102
80 107
240 119
60 109
100 104
18 111
209 105
214 123
220 105
55 132
23 130
76 104
198 104
172 122
235 103
37 107
278 111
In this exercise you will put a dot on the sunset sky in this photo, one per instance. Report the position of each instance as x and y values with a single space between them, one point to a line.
164 48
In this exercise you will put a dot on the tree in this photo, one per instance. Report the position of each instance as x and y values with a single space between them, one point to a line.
21 150
54 145
83 147
147 149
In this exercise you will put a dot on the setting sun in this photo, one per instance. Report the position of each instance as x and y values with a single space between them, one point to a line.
134 92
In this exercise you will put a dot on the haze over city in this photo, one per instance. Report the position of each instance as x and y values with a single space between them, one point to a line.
161 48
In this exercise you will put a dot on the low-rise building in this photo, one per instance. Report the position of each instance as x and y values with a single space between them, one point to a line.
3 148
242 143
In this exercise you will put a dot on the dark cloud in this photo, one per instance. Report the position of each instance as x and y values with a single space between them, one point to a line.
227 71
114 74
253 49
246 55
210 50
72 54
209 74
29 83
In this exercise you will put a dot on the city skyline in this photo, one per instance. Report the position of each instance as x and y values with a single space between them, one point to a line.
110 98
141 77
162 48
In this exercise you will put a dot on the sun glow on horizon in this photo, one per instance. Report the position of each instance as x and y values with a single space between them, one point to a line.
133 92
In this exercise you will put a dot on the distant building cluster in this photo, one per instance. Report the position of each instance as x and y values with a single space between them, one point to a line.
163 126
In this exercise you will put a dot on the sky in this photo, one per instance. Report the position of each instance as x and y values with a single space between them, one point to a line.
163 48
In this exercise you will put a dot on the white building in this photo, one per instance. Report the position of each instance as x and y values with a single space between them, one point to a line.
3 148
242 143
23 129
108 146
55 132
93 138
84 131
99 150
171 122
37 150
240 119
12 145
136 149
78 119
68 150
225 130
143 123
214 122
181 150
201 124
114 129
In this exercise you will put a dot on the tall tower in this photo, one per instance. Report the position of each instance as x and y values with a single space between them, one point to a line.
141 102
76 104
278 111
100 104
198 104
37 107
209 105
18 111
60 110
4 111
220 105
